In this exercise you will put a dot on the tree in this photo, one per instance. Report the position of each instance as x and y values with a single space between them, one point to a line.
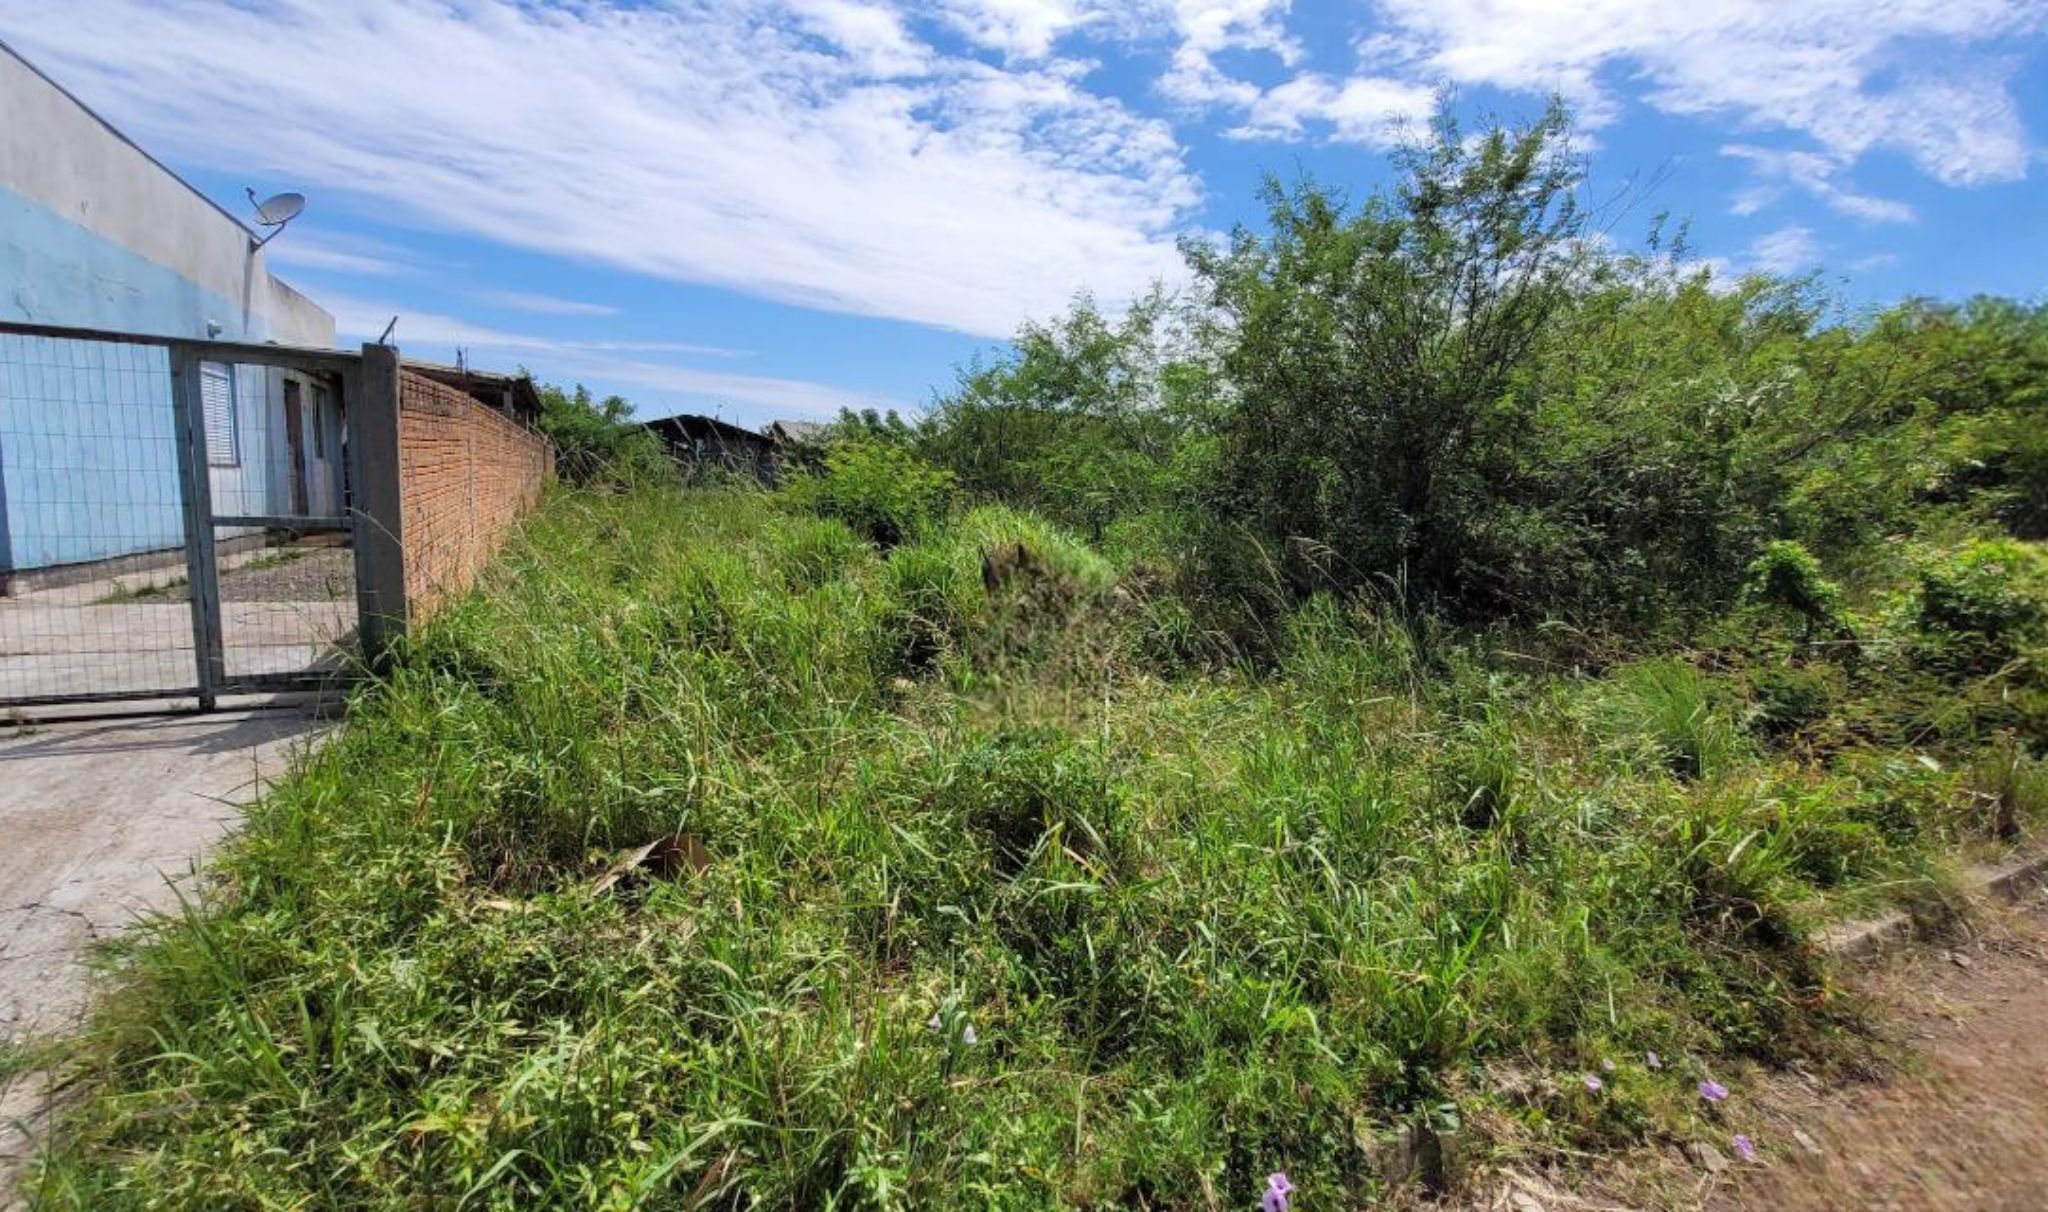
1080 422
1370 355
597 440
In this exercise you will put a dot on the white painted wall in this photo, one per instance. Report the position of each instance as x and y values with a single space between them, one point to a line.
94 233
58 155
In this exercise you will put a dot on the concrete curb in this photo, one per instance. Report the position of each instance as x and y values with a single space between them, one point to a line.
1861 939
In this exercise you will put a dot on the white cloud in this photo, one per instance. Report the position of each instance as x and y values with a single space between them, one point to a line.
1368 109
546 305
1815 173
1365 109
808 151
1788 250
1853 75
764 396
355 317
1025 29
341 255
568 360
1207 28
871 36
1927 79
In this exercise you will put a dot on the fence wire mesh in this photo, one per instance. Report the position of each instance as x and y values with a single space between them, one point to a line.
92 522
287 606
96 554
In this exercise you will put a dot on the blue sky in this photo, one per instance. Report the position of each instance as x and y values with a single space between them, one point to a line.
772 208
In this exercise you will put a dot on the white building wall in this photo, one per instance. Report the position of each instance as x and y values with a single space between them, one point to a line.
94 233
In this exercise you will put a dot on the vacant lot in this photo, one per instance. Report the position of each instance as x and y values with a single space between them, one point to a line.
979 877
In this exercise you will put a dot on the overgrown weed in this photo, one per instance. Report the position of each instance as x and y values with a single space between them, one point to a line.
993 909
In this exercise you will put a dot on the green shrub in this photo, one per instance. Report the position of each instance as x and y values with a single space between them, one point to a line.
597 441
1788 577
1482 773
1789 698
930 596
1981 604
880 490
2010 790
1024 789
813 551
995 586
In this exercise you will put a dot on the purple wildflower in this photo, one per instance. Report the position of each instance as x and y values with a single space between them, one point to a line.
935 1023
1653 1060
1713 1091
1277 1191
968 1037
1606 1066
1593 1083
1745 1148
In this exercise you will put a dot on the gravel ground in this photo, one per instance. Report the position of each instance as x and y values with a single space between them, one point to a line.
311 574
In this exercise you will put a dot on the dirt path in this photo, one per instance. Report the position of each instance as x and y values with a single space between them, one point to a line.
1965 1126
1959 1125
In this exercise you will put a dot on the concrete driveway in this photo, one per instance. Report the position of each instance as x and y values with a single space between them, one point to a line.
100 819
284 609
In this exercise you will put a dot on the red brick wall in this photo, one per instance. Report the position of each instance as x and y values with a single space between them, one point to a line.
467 473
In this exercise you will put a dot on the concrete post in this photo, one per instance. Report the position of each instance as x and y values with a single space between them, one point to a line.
377 511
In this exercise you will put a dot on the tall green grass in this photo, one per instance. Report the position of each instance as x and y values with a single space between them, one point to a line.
984 906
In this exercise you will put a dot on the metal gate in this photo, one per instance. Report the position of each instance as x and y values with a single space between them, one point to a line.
178 519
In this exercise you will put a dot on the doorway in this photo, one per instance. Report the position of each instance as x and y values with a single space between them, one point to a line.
295 443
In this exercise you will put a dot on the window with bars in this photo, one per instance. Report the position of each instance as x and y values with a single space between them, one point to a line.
217 395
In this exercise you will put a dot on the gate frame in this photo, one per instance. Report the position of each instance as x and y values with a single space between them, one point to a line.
373 519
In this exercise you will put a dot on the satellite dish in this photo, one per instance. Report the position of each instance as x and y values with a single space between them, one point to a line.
279 209
275 211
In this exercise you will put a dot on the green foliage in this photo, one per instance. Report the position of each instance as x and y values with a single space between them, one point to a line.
1233 924
869 425
1979 605
596 440
994 587
879 489
1788 577
1444 396
1677 714
1790 698
1079 423
1372 354
2011 790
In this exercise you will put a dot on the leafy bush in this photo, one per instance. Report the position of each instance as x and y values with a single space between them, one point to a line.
1981 603
1788 577
881 490
994 586
2011 789
1023 790
1373 355
1791 698
596 441
1359 398
1079 423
